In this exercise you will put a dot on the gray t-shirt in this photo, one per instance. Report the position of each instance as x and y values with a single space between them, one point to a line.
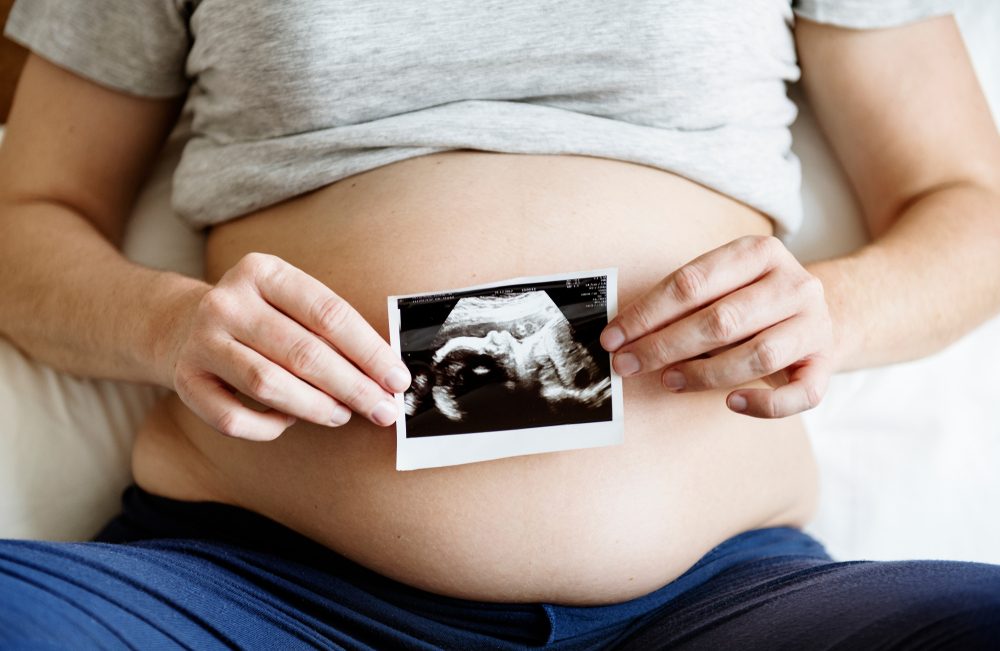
290 96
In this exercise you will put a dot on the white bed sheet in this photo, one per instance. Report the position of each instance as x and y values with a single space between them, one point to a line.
908 454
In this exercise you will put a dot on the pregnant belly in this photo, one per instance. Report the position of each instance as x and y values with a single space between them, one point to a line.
582 527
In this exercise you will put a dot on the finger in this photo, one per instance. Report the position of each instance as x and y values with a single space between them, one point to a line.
699 282
319 309
285 342
208 399
268 383
732 319
772 350
806 386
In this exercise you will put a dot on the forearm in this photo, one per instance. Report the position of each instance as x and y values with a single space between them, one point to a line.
70 299
930 278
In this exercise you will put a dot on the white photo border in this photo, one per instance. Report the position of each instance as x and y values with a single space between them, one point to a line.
454 449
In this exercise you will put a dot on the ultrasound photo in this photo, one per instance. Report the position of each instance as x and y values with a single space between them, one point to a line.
506 369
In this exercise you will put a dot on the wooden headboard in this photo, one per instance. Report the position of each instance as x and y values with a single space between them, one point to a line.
11 61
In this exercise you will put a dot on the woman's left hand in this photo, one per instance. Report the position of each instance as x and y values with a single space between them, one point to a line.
747 310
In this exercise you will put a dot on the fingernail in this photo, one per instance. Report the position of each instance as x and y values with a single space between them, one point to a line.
674 380
398 379
626 363
341 415
384 413
612 338
737 403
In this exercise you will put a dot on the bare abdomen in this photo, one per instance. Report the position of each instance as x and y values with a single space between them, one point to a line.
587 526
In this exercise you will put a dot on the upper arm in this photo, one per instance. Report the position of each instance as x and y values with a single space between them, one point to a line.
76 143
901 108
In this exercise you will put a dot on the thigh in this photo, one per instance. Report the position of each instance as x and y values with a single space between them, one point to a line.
825 605
205 595
91 595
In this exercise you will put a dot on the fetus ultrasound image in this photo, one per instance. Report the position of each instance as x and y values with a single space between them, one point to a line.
511 357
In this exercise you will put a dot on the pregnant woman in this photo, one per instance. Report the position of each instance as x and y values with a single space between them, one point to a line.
343 152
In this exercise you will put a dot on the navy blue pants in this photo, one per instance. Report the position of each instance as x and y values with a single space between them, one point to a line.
168 574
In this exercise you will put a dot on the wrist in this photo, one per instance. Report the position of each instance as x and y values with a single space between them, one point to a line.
173 298
843 288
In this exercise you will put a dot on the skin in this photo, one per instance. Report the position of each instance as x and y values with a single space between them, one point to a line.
68 174
264 312
926 173
690 473
711 304
907 121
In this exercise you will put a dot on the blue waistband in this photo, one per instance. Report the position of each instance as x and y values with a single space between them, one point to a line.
760 544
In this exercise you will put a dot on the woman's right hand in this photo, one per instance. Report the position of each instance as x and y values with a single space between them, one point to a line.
283 338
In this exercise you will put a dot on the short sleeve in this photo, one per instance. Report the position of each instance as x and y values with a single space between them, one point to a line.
870 14
136 46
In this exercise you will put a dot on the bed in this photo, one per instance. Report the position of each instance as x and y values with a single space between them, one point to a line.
908 453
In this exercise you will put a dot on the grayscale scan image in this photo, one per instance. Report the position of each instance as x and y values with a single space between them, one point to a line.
509 357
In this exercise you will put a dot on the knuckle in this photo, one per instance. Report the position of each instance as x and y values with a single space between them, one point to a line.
698 375
229 423
715 374
769 406
641 317
262 383
813 395
655 352
721 323
256 261
357 393
811 286
331 314
765 358
760 246
750 243
688 283
217 304
236 425
305 356
184 384
767 245
370 358
255 265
